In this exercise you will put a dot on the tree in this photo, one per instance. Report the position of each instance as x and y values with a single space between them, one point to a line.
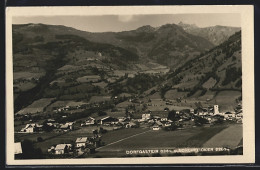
29 152
102 113
172 115
200 121
46 127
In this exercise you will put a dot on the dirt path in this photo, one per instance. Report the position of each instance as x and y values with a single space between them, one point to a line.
229 137
122 139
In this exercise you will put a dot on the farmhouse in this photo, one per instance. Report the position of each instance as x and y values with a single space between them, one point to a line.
31 128
146 116
130 125
89 121
81 142
155 127
158 123
67 126
229 115
107 120
164 119
121 119
62 148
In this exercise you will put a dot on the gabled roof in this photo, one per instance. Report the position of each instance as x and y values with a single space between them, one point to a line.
81 140
33 125
105 118
62 146
159 123
64 126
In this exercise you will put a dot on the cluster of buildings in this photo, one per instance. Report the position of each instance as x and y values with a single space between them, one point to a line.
210 112
59 127
81 146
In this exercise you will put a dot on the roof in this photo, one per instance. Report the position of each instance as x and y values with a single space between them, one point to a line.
62 146
64 126
158 123
32 125
17 148
105 118
81 140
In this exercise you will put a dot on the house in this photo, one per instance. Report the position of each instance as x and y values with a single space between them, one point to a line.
167 124
67 126
158 123
130 125
165 119
90 121
146 116
62 148
156 118
202 111
155 127
18 148
81 142
107 120
31 128
52 149
121 119
239 116
229 115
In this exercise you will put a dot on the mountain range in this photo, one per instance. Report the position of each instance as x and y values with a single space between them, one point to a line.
52 60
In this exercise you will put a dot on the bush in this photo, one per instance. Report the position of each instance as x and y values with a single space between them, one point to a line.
39 139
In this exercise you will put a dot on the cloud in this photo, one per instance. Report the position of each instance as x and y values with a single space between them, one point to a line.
125 18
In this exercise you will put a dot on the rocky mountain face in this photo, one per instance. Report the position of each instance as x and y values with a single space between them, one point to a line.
215 34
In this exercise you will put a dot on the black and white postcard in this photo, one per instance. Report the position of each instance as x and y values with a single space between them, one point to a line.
130 85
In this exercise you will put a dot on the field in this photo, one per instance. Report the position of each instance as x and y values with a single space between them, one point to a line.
230 137
96 99
149 139
227 100
27 75
36 106
174 94
90 78
162 139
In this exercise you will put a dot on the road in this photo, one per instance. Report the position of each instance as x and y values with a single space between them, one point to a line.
123 139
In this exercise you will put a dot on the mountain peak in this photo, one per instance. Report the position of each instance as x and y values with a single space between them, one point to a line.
186 26
145 28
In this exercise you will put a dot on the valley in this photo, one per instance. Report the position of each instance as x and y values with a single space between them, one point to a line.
71 76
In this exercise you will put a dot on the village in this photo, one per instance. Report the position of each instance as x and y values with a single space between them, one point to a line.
83 145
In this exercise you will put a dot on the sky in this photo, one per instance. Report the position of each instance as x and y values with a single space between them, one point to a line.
116 23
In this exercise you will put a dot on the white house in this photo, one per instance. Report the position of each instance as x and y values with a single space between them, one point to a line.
62 148
164 119
229 115
31 128
156 127
146 116
121 119
90 121
81 142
